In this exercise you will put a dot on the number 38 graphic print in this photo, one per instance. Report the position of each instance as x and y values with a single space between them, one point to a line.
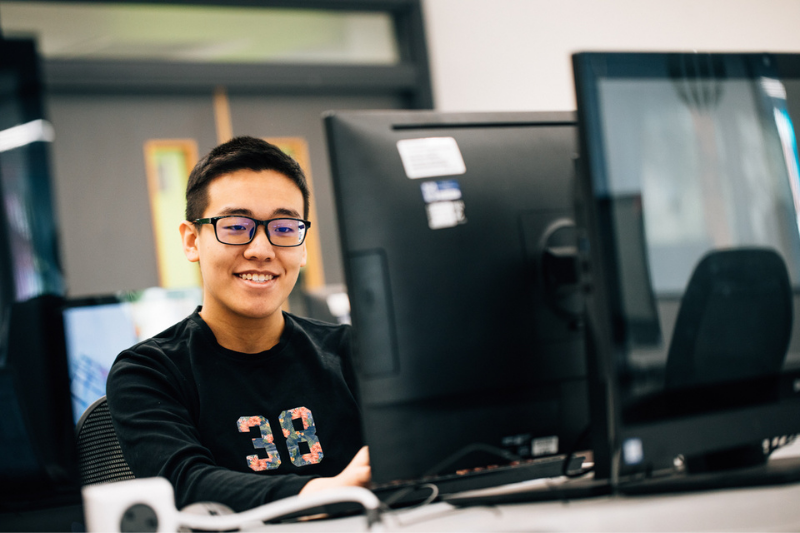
296 439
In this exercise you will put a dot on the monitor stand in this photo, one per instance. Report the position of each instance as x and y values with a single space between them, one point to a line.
737 474
554 489
734 458
775 471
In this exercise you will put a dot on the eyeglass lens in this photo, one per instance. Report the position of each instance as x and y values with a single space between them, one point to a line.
281 231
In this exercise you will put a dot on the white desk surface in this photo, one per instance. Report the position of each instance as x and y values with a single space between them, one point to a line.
755 509
775 508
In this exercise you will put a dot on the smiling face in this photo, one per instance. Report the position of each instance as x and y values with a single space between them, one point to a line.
245 283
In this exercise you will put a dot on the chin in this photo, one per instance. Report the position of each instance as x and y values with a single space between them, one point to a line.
259 312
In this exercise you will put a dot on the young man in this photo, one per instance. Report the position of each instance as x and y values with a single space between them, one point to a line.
241 403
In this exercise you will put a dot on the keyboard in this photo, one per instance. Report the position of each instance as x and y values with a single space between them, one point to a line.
406 493
400 494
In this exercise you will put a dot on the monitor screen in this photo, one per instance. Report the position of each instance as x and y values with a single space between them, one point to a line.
456 231
38 460
98 328
690 210
29 237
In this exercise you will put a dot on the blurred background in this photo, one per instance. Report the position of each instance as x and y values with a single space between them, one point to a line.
136 91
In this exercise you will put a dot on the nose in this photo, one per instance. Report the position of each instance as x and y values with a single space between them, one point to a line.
260 248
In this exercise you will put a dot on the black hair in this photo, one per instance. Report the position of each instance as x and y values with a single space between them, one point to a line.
238 154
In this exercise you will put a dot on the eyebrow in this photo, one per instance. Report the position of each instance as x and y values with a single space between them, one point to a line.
280 211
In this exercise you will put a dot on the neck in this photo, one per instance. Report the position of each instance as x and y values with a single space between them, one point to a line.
245 334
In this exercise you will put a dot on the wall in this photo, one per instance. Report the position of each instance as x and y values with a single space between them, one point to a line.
489 55
107 241
514 55
98 167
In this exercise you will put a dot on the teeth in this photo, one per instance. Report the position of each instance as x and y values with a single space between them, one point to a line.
258 278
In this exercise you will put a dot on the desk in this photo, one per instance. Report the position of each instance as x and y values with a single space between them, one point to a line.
775 508
755 509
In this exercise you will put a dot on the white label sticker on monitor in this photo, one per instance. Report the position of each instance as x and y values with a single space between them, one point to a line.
445 214
544 446
443 203
431 157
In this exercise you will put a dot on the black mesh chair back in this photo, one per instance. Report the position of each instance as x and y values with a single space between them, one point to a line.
100 456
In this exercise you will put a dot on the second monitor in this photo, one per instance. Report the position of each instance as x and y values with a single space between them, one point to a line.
458 247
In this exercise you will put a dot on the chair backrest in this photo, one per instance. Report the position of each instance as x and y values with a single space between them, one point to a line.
735 319
99 453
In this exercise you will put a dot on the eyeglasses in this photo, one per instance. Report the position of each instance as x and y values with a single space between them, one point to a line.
235 229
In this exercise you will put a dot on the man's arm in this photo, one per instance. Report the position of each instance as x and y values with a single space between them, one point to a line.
356 474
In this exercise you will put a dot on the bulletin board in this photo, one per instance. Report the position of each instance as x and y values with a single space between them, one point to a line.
168 163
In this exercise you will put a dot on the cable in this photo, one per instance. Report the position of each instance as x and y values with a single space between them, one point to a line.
442 465
402 493
475 447
565 465
293 504
432 497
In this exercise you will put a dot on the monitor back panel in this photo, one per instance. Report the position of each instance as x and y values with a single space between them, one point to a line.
457 338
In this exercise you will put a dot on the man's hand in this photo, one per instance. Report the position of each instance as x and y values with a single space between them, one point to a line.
356 474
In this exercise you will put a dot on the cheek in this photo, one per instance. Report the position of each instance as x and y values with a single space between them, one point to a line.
214 261
295 259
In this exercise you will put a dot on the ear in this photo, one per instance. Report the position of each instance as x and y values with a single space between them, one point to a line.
305 257
190 237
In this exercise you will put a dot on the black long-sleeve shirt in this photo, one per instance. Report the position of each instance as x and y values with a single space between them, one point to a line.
239 429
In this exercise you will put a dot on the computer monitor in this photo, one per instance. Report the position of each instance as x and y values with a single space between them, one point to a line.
98 328
457 237
38 460
688 208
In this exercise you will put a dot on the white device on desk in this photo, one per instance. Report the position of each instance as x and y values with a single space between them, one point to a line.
148 504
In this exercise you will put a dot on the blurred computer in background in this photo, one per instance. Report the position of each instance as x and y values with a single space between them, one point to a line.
38 459
98 328
688 207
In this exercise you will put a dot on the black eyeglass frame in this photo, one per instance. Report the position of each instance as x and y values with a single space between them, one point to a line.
213 222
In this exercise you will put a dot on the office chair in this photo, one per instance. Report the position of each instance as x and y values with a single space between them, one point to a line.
735 319
99 453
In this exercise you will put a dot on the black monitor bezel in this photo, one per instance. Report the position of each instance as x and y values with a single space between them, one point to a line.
32 351
667 438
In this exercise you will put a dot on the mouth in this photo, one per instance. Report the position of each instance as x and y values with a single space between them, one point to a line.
256 278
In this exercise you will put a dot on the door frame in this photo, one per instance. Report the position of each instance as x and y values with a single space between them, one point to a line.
410 77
